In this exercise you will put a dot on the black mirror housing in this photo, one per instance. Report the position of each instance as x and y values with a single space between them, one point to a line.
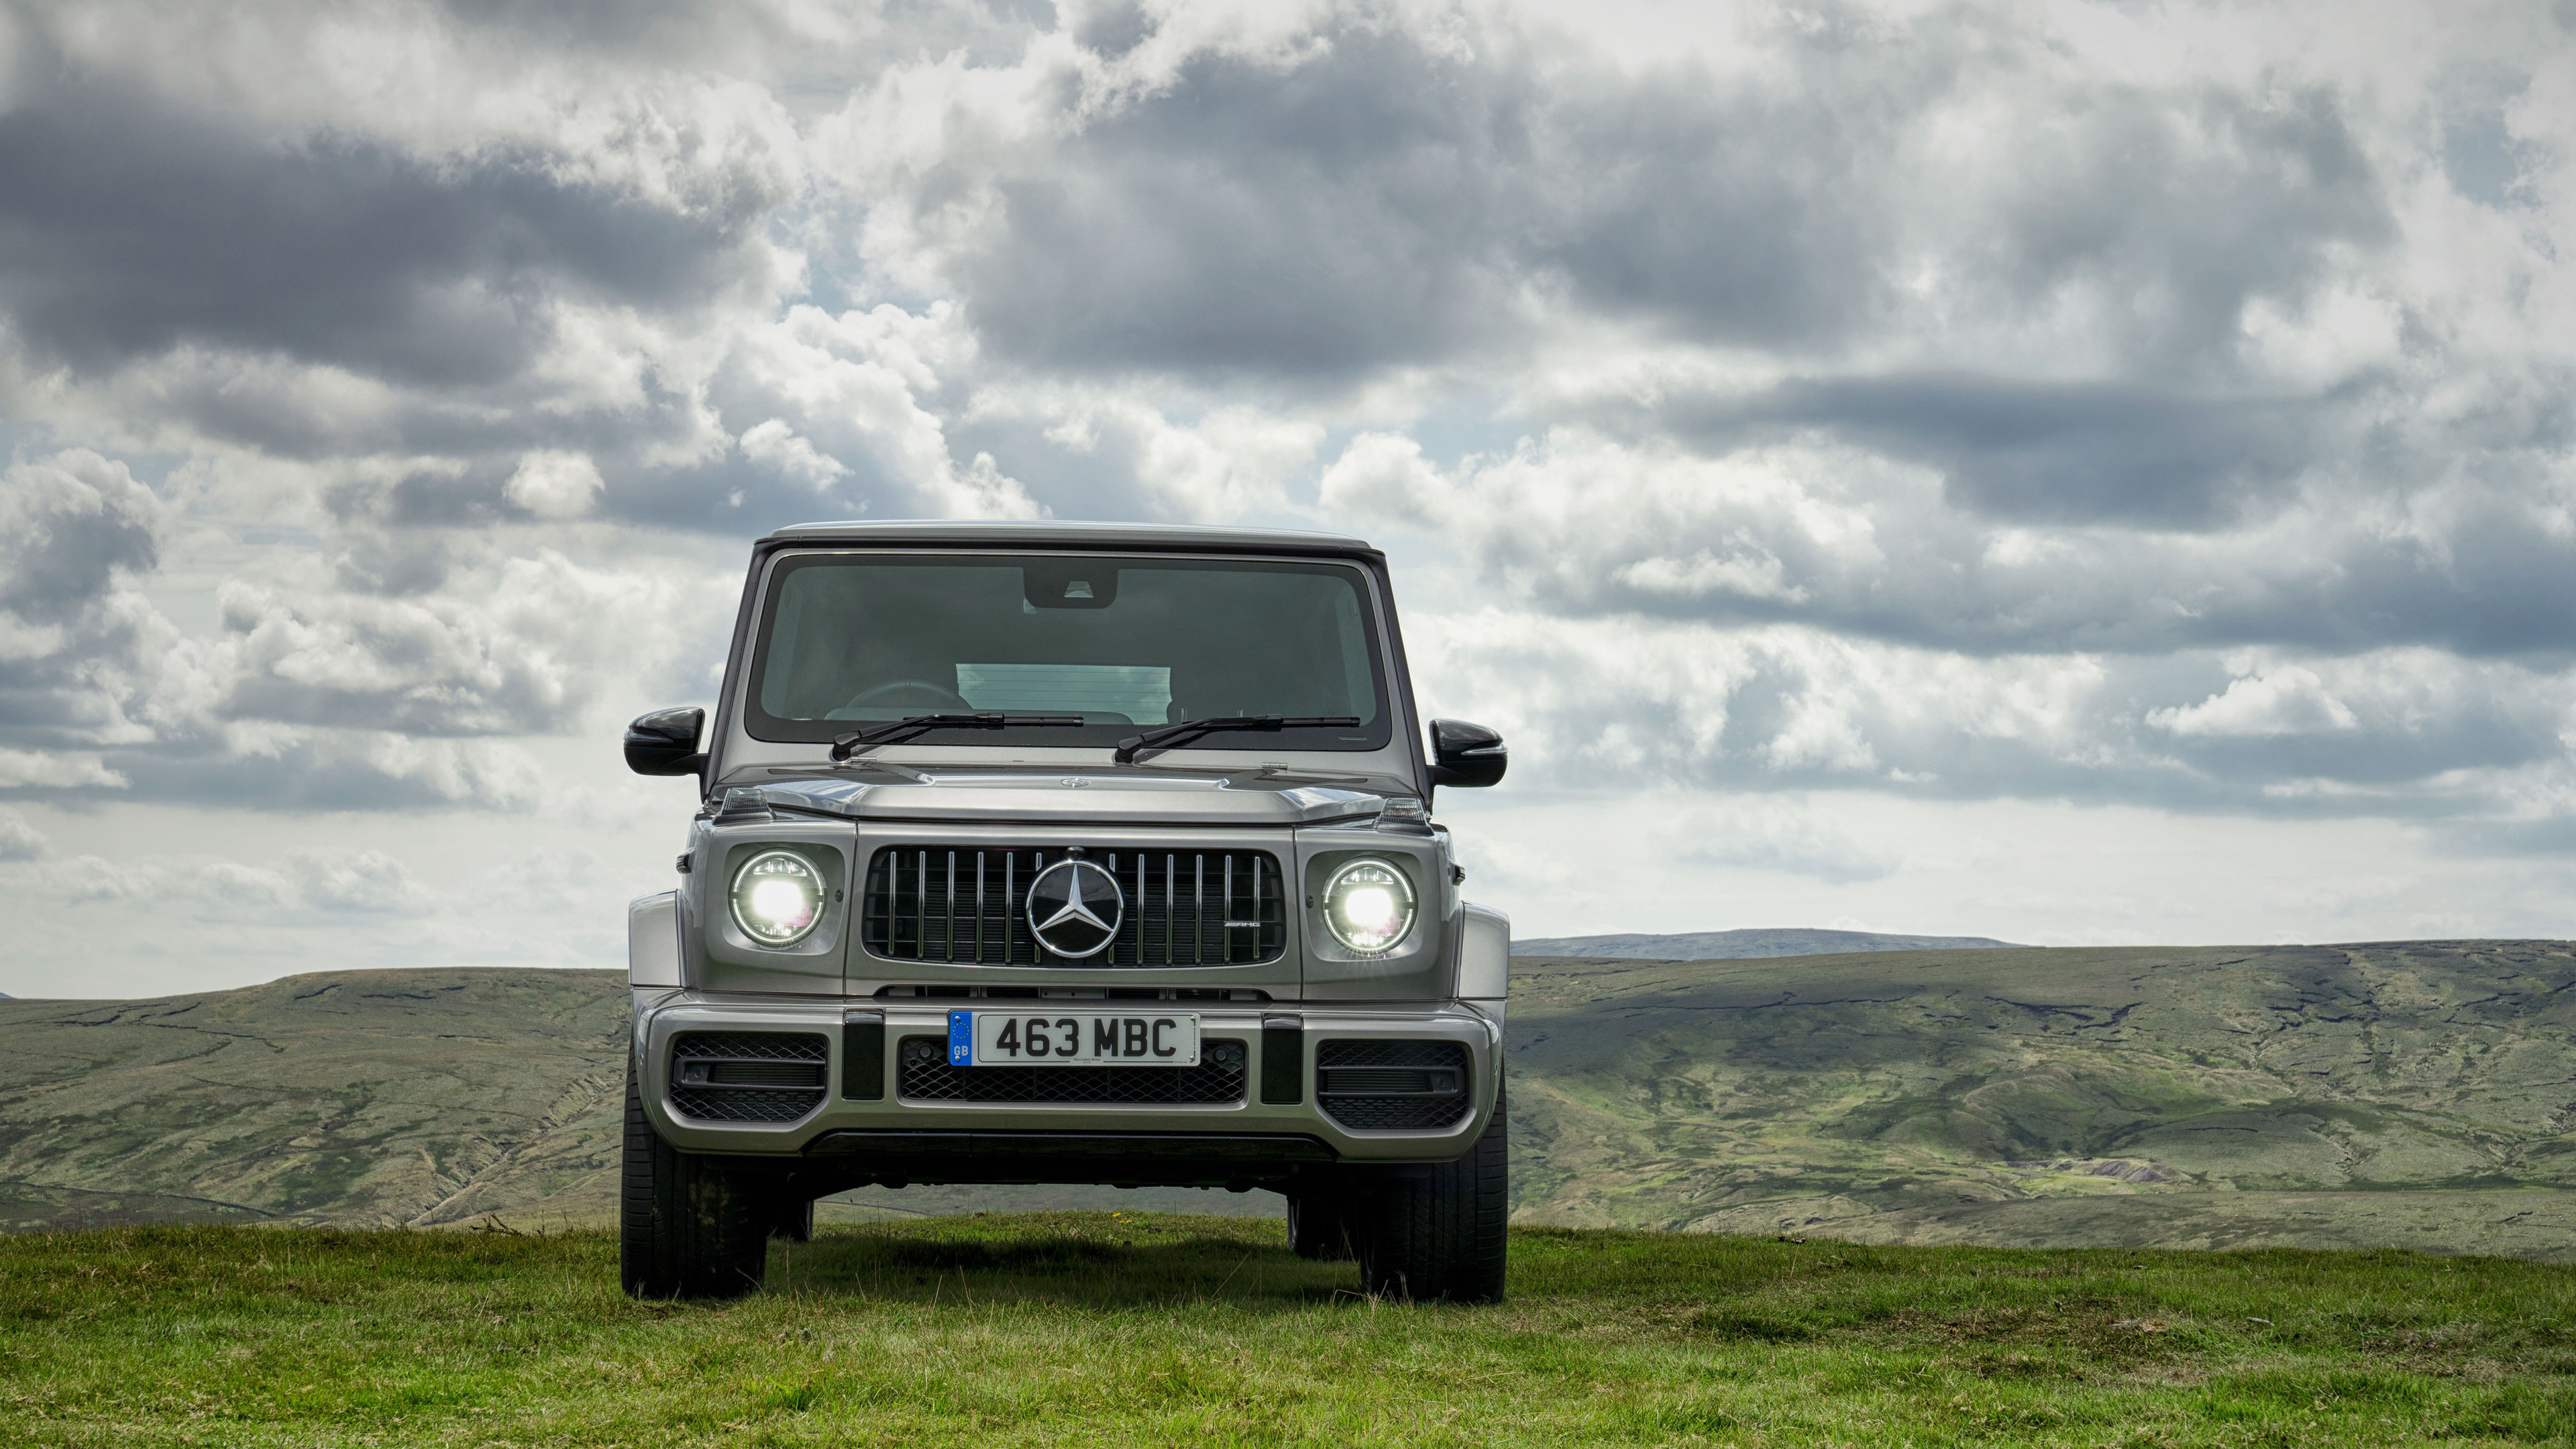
665 742
1466 754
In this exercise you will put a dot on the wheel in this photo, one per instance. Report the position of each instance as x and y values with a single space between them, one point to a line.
688 1227
1318 1227
1440 1238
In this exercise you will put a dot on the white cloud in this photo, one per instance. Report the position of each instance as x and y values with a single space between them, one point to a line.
555 485
2288 701
1384 477
775 445
364 881
1748 570
20 840
21 769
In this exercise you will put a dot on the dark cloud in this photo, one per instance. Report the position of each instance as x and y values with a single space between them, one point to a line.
1322 218
2045 452
1114 29
2067 516
2374 736
1722 214
800 50
1382 202
130 227
76 530
2172 212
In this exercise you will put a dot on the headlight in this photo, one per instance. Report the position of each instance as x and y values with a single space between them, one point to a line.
1368 904
777 897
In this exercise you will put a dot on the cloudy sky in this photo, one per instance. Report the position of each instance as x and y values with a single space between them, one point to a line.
2078 473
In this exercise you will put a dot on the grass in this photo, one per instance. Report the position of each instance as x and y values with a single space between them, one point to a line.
1105 1329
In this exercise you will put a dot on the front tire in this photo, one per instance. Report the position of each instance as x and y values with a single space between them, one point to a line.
688 1226
1441 1238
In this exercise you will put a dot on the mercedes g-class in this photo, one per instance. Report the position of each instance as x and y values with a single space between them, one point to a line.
1067 853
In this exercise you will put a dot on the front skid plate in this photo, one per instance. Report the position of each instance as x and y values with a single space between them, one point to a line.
1170 1158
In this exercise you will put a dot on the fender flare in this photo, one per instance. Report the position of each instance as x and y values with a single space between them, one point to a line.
653 940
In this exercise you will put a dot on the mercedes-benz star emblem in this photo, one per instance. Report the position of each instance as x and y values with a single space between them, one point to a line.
1075 908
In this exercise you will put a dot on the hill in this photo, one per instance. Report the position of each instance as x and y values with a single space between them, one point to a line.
2415 1094
2418 1093
1736 945
376 1097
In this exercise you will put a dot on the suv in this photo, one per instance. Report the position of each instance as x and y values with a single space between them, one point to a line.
1066 853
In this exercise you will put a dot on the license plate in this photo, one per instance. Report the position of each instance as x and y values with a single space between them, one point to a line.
1072 1039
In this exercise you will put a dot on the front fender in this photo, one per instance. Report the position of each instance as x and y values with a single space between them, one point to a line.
653 940
1484 954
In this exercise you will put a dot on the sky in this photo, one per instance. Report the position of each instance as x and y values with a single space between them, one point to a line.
2076 473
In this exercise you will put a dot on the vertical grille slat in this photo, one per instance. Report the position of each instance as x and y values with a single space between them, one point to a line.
977 899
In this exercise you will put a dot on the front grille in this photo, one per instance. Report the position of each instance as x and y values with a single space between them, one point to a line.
969 905
1415 1086
747 1076
924 1074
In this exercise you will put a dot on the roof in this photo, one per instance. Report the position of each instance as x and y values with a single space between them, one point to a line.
1049 533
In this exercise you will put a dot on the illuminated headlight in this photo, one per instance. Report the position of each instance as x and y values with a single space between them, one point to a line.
1368 905
777 897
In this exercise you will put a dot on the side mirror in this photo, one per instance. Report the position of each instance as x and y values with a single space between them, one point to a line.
1466 754
665 742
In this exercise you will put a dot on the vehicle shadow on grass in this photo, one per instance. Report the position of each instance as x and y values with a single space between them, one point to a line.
1087 1259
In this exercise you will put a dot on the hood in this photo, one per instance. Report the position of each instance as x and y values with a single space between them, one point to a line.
1068 796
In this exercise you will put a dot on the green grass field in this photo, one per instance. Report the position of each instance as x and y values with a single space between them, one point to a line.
1099 1328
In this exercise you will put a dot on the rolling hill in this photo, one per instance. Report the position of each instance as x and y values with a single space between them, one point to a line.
2409 1093
356 1097
2413 1094
1736 945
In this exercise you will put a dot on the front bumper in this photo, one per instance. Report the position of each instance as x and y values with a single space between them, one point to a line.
895 1139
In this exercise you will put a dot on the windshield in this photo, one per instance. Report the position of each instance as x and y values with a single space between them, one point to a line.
1126 643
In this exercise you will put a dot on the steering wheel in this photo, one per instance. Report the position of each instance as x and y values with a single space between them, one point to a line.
918 694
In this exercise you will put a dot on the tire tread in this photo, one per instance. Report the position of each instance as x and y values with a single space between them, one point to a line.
688 1226
1444 1238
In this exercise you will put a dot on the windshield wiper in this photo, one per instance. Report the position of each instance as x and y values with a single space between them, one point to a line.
921 724
1174 736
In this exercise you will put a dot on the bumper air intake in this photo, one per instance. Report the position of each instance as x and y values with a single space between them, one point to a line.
1393 1086
747 1076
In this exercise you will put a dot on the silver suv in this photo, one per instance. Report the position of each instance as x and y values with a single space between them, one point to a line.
1067 853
